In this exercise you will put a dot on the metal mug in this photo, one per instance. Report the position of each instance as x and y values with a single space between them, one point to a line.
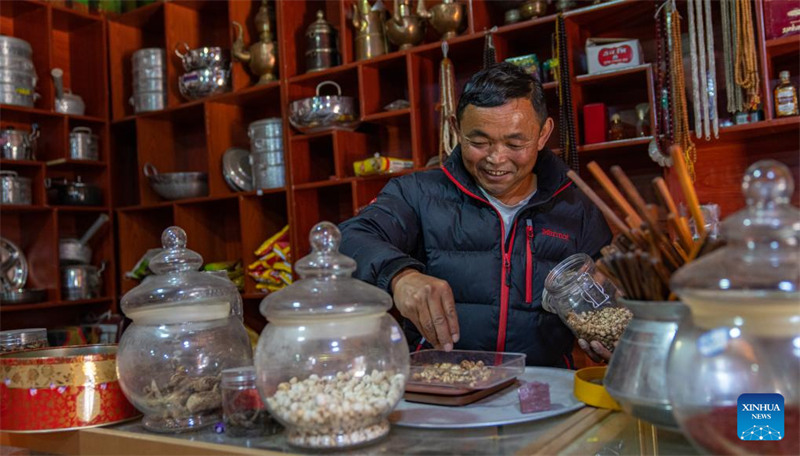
19 144
81 281
15 189
83 144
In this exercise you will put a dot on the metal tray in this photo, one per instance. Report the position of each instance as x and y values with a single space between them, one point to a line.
502 366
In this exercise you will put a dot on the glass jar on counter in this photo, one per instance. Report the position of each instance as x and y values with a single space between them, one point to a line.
743 336
22 339
585 300
331 363
187 328
244 414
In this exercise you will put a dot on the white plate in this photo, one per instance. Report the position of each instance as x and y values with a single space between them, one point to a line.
496 410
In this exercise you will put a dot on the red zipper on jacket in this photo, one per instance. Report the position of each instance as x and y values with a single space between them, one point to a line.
529 262
505 277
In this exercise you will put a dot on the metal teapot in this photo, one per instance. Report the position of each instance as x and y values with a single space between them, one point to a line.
405 29
66 102
447 18
263 54
370 37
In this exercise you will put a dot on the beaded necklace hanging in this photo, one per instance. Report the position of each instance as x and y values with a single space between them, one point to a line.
679 111
448 137
746 65
566 119
712 72
662 130
703 68
729 34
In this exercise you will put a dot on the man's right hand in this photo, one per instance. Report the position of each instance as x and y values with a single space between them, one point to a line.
428 302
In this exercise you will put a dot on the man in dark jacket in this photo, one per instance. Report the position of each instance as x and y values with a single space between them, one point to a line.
465 249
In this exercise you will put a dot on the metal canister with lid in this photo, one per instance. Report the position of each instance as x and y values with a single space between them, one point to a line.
322 47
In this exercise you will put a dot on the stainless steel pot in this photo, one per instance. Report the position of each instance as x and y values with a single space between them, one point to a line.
74 193
16 63
18 144
83 144
175 186
149 58
148 101
81 281
637 374
203 57
319 113
15 47
149 84
18 96
268 170
76 251
204 82
15 188
19 78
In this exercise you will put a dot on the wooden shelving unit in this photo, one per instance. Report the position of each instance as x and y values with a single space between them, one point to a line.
76 43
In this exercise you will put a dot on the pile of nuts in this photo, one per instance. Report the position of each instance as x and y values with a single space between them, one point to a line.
605 325
340 410
465 373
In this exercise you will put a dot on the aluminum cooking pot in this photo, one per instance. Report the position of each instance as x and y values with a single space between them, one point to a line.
73 193
83 144
81 281
310 115
15 189
76 251
203 57
19 144
10 46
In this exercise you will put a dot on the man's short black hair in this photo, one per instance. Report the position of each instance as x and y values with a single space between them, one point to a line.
500 83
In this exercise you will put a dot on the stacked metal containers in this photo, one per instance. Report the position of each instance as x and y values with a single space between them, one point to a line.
17 74
149 80
266 153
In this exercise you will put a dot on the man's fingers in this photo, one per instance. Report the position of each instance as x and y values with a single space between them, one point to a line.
449 306
588 350
426 325
439 321
601 350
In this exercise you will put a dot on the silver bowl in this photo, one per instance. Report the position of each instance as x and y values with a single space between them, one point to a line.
175 186
202 83
202 57
319 113
23 296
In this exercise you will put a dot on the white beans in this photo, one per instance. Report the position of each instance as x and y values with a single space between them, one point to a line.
339 410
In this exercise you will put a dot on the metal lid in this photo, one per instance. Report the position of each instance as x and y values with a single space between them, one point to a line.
13 266
239 376
320 26
17 337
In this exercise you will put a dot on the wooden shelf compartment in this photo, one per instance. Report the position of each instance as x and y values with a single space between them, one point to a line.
390 136
313 158
197 24
27 21
382 82
58 314
74 225
137 231
172 141
261 217
295 17
90 174
784 45
333 203
530 37
139 29
35 233
124 165
78 46
365 190
616 145
213 228
52 142
227 123
33 172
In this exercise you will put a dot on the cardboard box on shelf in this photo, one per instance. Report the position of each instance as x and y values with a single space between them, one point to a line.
609 54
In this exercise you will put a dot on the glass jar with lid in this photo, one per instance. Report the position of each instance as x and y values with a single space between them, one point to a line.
743 335
585 300
331 363
187 328
22 339
244 413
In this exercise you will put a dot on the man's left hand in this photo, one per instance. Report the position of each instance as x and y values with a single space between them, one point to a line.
596 351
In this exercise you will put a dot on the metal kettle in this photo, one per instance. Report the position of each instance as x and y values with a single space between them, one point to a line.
66 102
262 56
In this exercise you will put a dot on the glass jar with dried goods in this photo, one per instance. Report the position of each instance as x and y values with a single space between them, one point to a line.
743 335
331 364
187 328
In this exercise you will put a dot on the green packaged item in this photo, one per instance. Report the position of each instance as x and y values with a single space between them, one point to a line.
529 63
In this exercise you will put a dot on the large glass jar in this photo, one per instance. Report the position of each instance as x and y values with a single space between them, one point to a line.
331 363
585 300
743 335
187 327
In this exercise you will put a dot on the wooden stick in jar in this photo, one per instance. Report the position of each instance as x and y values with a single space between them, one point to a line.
615 194
682 231
609 214
688 188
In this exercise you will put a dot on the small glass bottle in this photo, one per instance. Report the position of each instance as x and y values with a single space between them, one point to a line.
616 131
785 97
244 414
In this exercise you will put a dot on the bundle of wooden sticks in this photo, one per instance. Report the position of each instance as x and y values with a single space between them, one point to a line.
644 255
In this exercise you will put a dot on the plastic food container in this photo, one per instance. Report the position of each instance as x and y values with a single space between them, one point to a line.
22 339
461 371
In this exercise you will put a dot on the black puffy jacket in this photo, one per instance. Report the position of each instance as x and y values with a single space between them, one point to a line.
438 222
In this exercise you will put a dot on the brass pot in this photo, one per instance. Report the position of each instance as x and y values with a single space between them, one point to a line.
447 18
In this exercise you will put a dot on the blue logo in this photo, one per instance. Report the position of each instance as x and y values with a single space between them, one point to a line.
760 417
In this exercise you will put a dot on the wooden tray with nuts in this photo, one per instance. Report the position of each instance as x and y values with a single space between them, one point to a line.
460 372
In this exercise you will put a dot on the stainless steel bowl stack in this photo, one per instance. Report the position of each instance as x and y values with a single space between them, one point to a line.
266 153
17 74
149 80
207 71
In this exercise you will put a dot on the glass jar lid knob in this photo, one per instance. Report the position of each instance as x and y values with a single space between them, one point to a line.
175 256
325 259
767 183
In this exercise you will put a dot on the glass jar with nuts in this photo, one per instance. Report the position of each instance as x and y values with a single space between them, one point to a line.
22 339
331 364
585 300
